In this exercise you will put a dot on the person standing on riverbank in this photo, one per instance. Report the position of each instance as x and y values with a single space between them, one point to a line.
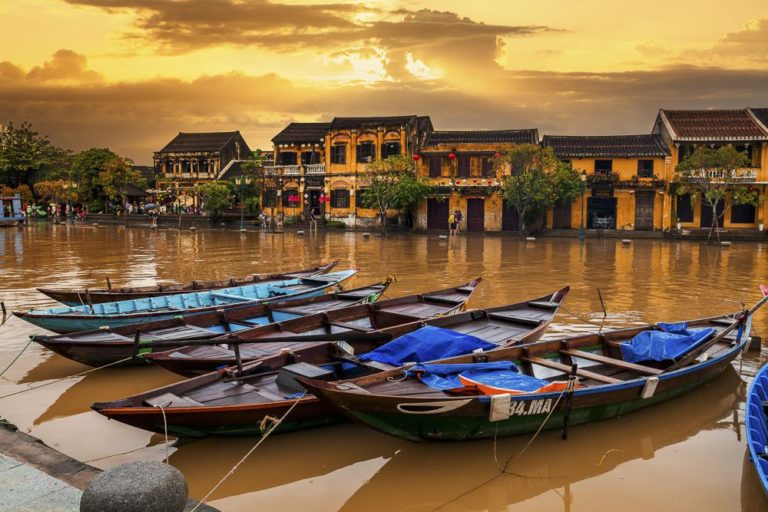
459 217
312 220
452 224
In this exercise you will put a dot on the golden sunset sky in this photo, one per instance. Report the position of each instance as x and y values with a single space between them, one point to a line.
130 74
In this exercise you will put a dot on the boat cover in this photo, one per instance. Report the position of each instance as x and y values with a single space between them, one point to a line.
499 374
426 344
672 341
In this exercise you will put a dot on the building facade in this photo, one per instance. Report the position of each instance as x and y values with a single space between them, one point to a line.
747 131
626 177
462 167
193 158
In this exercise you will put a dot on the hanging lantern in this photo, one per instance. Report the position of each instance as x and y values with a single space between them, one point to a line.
416 157
452 155
497 155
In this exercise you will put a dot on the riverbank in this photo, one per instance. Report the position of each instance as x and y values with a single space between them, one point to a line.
36 477
200 222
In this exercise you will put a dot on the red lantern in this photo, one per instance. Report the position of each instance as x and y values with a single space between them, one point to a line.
497 155
452 155
458 181
416 158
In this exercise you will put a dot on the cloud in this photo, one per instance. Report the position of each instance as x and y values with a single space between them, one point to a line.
187 25
137 118
64 65
751 42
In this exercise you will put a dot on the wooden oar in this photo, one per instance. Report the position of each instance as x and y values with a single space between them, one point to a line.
350 337
695 352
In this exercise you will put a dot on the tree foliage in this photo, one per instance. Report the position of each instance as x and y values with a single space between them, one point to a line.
217 196
713 175
24 153
25 193
537 181
86 168
393 183
117 174
55 190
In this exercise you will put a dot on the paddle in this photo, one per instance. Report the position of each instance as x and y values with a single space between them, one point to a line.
350 337
696 351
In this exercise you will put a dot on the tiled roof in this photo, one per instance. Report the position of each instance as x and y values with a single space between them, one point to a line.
425 124
349 123
761 114
184 142
528 136
302 132
716 125
606 146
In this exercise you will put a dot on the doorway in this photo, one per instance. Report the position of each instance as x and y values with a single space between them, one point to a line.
437 213
644 210
510 220
475 214
601 213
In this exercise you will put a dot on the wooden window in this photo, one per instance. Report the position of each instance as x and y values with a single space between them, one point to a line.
645 168
340 198
287 158
390 149
269 198
463 167
339 154
685 208
488 169
366 151
435 164
743 214
603 166
310 157
291 198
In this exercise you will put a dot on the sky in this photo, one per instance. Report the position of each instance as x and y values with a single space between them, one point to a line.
130 74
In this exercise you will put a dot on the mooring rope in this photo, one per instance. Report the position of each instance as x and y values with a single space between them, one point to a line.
580 317
250 452
17 357
165 428
79 374
505 469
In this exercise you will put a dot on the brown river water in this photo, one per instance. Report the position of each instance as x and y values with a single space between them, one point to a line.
685 454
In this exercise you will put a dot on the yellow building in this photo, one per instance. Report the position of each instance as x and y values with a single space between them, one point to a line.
626 178
461 164
322 166
747 131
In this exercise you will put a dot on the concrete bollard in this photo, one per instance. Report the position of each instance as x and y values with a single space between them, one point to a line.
193 228
366 235
95 224
300 232
626 241
143 486
530 239
725 244
442 237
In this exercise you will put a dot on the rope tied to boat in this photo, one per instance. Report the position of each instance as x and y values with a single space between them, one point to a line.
165 426
17 356
267 422
250 452
79 374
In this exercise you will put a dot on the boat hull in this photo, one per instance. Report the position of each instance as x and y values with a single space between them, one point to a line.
757 425
466 418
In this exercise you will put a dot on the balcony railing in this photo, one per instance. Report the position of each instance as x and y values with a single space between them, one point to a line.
743 175
294 170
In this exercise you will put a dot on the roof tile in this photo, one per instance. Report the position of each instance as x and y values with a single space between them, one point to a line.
567 146
527 136
302 132
185 142
714 125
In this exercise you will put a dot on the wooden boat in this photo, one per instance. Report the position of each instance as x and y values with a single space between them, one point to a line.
105 346
367 326
81 297
165 307
400 403
757 425
229 402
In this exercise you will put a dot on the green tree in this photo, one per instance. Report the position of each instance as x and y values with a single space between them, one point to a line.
249 189
537 181
393 183
55 190
86 168
217 196
25 154
117 174
712 175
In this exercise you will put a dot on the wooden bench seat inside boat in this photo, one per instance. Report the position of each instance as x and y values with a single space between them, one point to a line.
592 356
447 299
511 317
567 370
170 400
543 305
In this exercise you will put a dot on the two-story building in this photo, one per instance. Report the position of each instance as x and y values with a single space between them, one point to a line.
322 166
462 167
192 158
625 182
745 129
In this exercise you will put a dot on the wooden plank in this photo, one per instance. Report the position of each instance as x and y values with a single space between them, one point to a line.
567 369
613 362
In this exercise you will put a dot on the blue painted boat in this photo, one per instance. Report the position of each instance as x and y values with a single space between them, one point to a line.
118 314
757 425
10 210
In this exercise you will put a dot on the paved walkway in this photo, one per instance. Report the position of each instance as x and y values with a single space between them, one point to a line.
24 488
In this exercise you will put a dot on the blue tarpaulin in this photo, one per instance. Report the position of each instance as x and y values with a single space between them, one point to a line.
672 341
500 374
426 344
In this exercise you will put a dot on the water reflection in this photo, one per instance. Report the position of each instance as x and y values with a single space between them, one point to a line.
687 452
